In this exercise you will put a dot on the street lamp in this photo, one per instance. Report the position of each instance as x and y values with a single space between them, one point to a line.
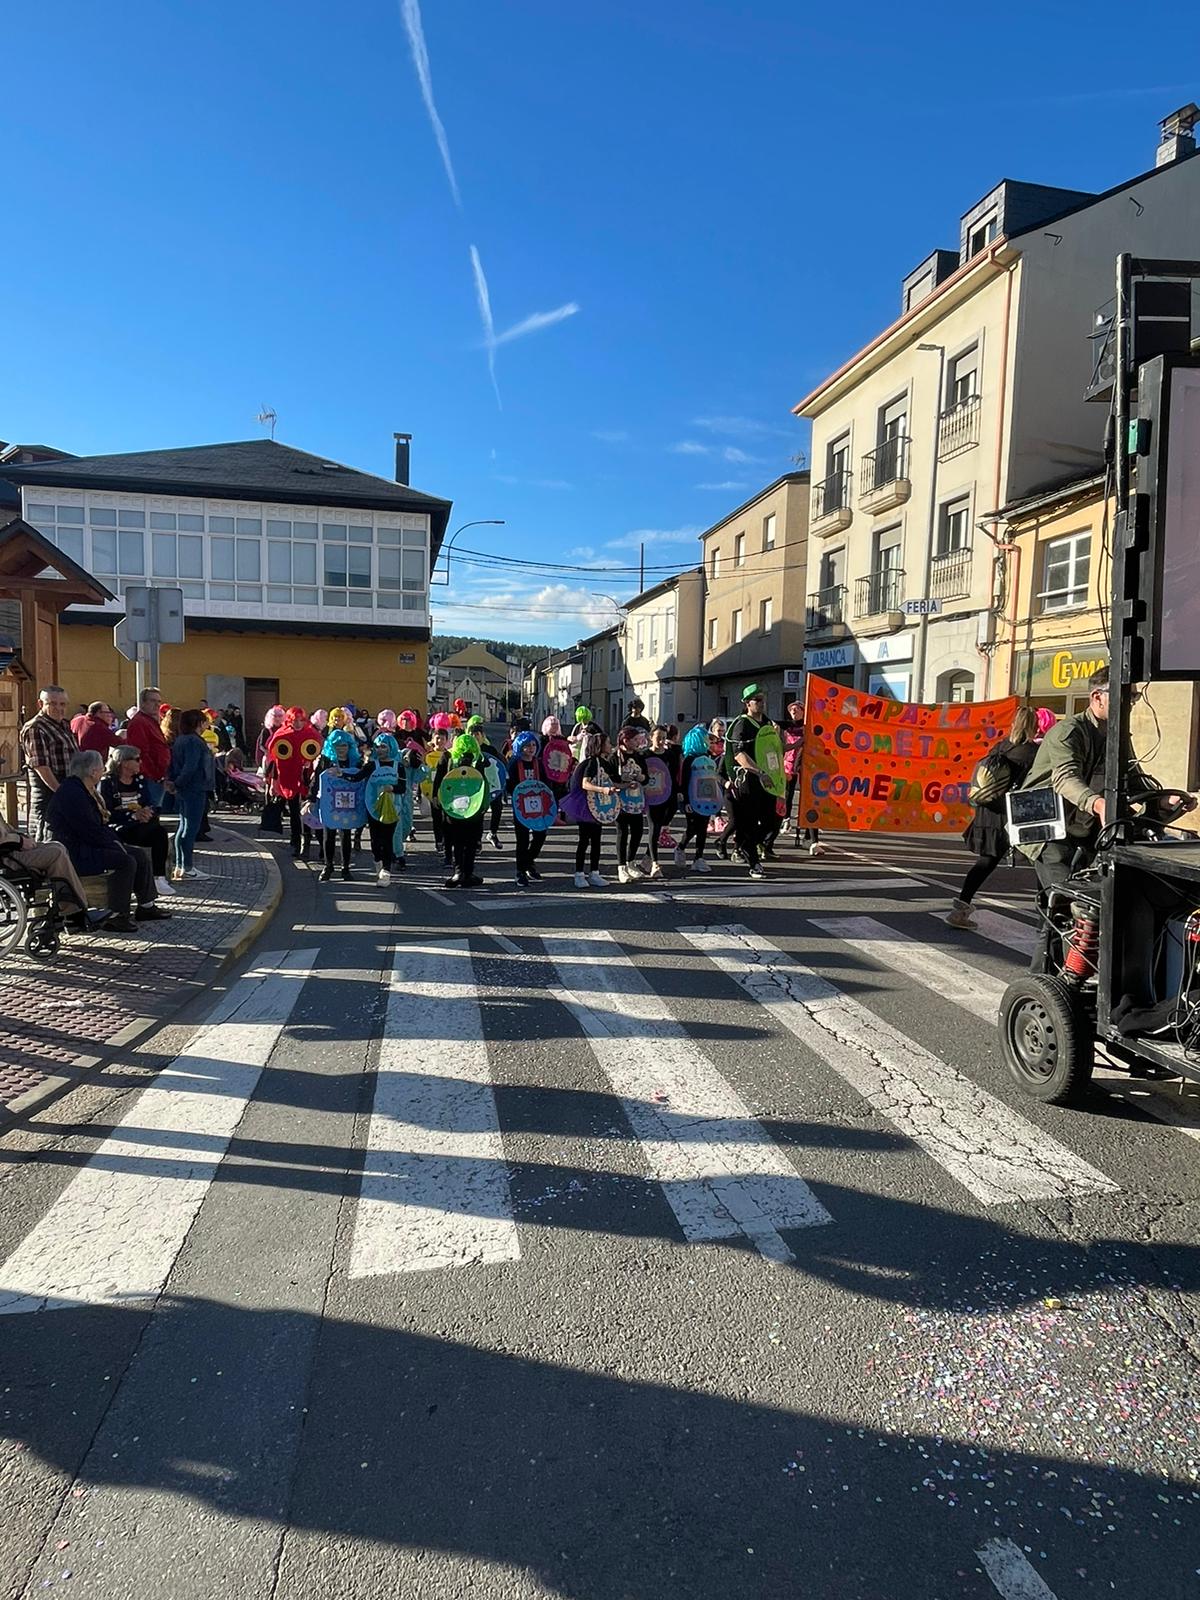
481 522
927 582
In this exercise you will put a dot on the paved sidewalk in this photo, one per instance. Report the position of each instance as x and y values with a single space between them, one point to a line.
101 987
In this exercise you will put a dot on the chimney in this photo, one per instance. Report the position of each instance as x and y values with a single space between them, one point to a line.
1177 141
403 440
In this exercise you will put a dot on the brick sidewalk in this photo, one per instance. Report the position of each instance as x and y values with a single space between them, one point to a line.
53 1011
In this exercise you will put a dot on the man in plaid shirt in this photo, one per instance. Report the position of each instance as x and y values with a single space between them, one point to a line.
47 744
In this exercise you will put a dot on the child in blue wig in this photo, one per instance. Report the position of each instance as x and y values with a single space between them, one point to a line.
695 744
339 756
387 790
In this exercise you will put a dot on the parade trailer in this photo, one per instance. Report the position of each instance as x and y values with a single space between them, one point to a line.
1117 970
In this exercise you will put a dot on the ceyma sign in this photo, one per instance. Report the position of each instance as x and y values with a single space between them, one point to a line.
1058 671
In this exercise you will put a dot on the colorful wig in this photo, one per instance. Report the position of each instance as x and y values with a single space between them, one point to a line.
582 714
695 741
1045 721
386 749
338 741
409 721
464 750
552 728
440 721
272 720
386 720
525 746
319 720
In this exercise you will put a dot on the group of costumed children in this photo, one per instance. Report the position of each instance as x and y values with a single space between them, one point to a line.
338 774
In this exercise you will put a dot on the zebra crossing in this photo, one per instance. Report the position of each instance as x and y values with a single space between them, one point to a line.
433 1191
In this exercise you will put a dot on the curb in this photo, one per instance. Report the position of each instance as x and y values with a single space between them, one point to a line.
221 957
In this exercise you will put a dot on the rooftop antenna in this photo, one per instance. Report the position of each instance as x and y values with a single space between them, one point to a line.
267 417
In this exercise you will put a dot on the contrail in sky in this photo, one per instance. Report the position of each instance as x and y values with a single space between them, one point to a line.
485 316
410 10
535 323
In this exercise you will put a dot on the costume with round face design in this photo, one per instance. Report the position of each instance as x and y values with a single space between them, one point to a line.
292 750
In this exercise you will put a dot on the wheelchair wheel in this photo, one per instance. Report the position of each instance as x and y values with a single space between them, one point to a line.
43 938
14 913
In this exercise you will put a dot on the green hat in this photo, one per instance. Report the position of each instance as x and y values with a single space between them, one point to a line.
751 692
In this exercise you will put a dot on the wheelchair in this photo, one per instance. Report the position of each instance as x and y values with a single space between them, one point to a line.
29 911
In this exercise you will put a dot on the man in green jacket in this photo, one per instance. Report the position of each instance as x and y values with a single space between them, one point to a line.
1070 760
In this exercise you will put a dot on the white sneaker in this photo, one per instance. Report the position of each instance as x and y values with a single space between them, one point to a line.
192 875
581 881
164 886
816 848
701 865
653 871
596 881
636 874
623 874
383 876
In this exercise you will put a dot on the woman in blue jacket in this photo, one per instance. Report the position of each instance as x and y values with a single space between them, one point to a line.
191 778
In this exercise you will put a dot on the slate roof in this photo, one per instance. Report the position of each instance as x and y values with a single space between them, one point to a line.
248 469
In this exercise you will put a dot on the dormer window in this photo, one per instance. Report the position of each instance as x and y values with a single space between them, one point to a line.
981 235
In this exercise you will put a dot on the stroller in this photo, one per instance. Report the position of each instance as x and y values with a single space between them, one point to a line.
239 788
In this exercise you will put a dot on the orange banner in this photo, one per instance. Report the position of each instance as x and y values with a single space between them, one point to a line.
885 766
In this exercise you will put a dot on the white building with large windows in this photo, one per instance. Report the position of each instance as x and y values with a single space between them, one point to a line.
304 581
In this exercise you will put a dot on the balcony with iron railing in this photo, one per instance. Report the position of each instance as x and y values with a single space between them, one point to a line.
826 610
879 593
950 574
831 504
883 479
958 427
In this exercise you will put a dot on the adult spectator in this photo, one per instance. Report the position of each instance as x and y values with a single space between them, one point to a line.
78 820
94 729
134 820
237 727
191 778
52 861
47 744
637 716
145 734
752 807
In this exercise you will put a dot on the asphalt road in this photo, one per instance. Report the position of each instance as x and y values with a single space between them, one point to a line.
627 1245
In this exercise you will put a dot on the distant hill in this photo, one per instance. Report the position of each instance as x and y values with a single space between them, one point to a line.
446 644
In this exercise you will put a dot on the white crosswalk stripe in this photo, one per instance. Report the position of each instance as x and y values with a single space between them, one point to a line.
992 1151
114 1233
935 968
721 1173
1010 1573
435 1189
1007 931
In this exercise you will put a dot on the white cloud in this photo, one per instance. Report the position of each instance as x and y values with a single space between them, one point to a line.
581 552
689 447
556 605
737 457
410 11
652 536
536 322
740 427
729 483
611 435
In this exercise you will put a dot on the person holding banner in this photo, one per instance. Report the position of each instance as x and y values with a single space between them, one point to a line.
1005 767
751 803
793 756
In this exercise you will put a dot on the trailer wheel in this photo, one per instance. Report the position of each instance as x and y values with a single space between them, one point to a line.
1048 1043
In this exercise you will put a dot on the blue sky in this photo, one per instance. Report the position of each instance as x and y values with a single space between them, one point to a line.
215 207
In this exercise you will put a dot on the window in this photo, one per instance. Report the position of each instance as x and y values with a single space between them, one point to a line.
739 550
1065 571
916 292
654 633
612 659
964 377
893 420
712 633
669 628
833 568
737 627
765 615
714 564
769 532
249 559
837 474
176 556
954 526
887 550
981 235
62 525
641 638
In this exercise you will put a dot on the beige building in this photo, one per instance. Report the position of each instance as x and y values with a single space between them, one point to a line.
754 572
972 398
663 650
1053 630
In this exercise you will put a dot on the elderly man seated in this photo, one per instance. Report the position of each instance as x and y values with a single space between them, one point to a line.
79 821
51 861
